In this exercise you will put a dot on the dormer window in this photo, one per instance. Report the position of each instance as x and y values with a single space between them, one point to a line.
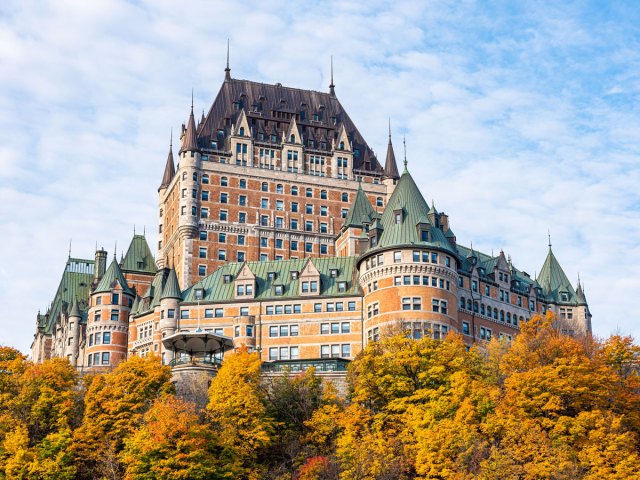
397 215
294 274
424 235
341 145
333 273
342 286
226 278
271 276
564 296
242 131
292 139
278 289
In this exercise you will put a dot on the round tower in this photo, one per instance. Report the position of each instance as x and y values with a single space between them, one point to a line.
75 317
408 271
108 320
169 304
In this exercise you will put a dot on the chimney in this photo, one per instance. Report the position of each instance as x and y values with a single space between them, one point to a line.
100 265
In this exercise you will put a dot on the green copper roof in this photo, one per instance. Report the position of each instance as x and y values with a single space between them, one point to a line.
171 287
360 212
216 290
408 200
110 277
75 309
74 286
554 281
139 257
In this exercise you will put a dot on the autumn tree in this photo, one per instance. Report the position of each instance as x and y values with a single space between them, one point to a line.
172 444
115 404
238 413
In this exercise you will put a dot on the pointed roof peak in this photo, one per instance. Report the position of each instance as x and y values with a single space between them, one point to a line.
75 309
390 165
554 281
189 140
360 212
169 169
139 257
171 287
112 275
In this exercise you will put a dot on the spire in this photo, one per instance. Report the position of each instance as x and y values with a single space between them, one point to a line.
404 142
169 169
554 281
549 234
112 276
332 91
227 71
189 141
390 166
360 212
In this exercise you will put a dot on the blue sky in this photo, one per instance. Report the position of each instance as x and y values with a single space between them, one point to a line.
520 117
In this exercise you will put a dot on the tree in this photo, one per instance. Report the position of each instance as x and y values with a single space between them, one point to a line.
115 404
238 413
172 444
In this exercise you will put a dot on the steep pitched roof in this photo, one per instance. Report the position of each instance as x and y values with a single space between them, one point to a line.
75 309
554 281
189 141
171 287
169 170
390 165
318 115
581 298
360 212
74 284
110 277
139 257
216 290
408 200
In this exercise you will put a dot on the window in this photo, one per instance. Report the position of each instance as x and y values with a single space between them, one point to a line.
434 257
203 235
345 197
184 314
398 218
105 358
344 212
346 351
308 247
465 328
115 298
224 181
205 179
223 215
342 286
264 187
294 190
114 315
397 257
106 338
264 220
279 188
317 307
345 327
219 312
242 183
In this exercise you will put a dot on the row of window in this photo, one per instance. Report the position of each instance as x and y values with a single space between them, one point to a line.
467 304
114 316
418 330
100 338
421 280
264 187
100 358
415 303
270 310
417 256
294 224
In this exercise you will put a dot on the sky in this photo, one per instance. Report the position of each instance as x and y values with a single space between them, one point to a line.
521 118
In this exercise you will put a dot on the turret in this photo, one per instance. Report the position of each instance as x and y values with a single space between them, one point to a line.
75 317
169 303
391 175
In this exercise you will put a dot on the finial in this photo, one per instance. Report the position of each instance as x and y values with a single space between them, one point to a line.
69 248
171 139
549 234
115 248
331 85
191 99
404 142
134 228
144 230
227 71
389 129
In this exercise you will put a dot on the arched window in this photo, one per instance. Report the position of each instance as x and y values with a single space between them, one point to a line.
495 313
502 315
508 317
463 302
184 175
292 139
323 194
279 188
242 131
475 307
469 305
345 197
341 145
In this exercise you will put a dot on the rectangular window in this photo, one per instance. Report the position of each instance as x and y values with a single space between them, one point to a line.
434 257
273 353
345 327
346 350
273 331
223 215
465 328
106 338
114 315
105 358
325 351
317 307
98 338
115 298
202 270
219 313
294 330
397 257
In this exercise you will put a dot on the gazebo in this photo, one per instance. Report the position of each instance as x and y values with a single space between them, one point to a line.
197 348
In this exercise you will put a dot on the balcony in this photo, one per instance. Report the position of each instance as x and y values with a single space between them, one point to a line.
321 365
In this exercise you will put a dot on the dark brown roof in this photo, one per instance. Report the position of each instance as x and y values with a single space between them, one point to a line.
269 109
189 141
169 170
390 166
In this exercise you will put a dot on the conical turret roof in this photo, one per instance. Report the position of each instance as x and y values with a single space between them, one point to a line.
390 165
169 170
75 309
360 212
172 287
109 279
581 298
413 209
189 140
554 281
